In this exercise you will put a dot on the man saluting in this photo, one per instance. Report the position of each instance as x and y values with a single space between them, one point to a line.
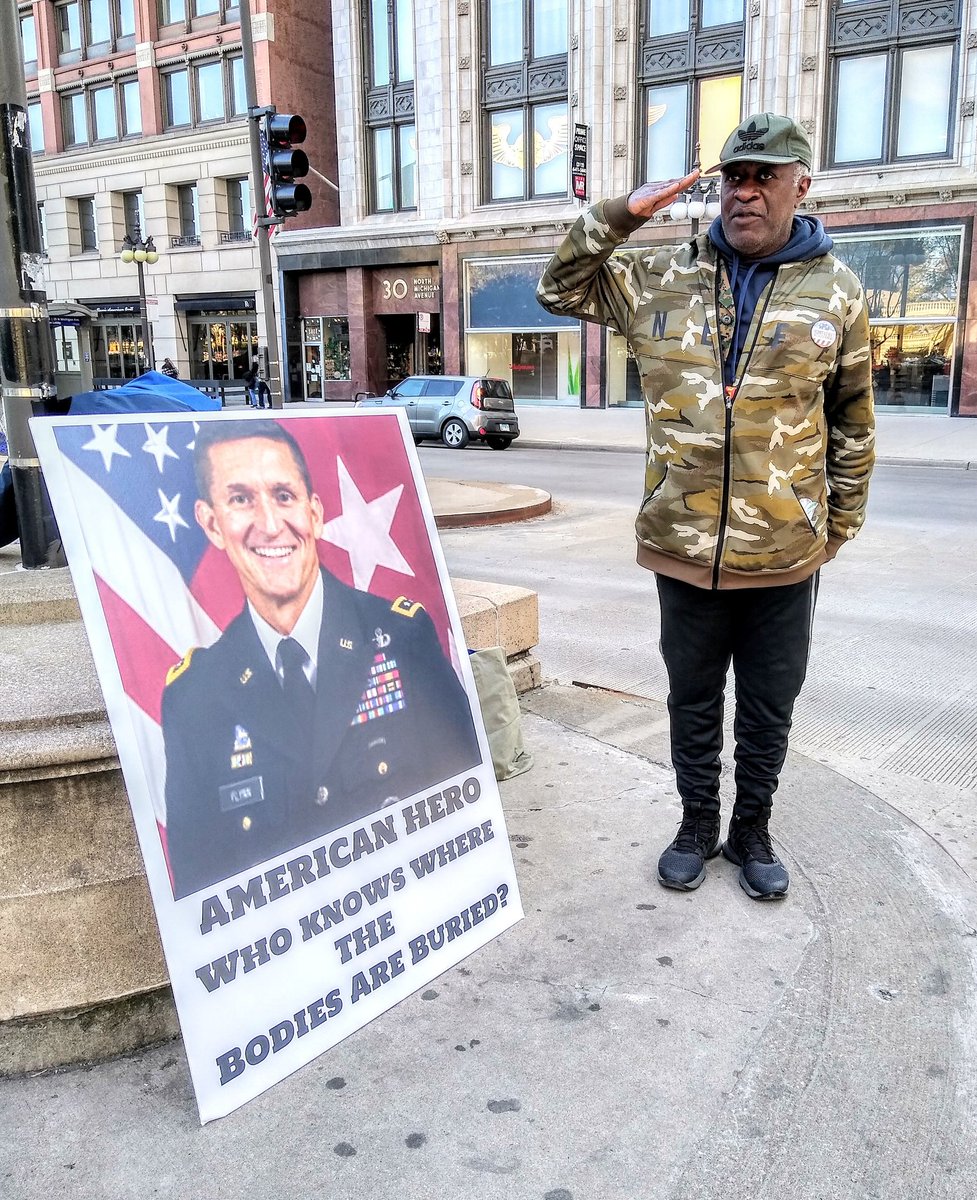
319 704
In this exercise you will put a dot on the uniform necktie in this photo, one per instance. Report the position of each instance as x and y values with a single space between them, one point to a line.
298 691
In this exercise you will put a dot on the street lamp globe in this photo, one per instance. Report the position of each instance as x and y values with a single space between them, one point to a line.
152 256
679 210
127 255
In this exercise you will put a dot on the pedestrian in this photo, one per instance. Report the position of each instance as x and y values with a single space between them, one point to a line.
169 369
753 347
250 378
319 703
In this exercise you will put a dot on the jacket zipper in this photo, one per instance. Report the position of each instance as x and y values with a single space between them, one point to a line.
730 393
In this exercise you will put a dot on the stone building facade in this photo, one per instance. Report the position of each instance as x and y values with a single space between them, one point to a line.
138 120
456 125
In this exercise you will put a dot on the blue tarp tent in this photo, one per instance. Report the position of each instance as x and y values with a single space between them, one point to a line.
152 392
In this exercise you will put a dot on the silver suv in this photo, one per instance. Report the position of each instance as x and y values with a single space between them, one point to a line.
454 408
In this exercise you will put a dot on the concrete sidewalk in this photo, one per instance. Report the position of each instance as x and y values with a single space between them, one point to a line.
913 439
623 1042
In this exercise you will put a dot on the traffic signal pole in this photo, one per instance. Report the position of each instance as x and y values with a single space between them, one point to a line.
26 348
255 116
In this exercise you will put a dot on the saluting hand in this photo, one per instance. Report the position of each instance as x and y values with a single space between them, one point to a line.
646 200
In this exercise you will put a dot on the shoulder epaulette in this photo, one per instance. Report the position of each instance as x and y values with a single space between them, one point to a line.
406 608
177 669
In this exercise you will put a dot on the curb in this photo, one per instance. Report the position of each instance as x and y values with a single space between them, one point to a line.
957 464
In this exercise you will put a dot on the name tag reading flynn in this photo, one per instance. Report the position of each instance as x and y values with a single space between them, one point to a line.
245 791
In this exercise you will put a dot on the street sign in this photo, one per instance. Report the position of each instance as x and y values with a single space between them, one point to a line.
578 161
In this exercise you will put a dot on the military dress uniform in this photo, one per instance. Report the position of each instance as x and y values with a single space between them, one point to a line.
250 776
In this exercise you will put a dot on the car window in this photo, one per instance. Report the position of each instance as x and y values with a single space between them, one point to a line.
409 387
497 388
444 387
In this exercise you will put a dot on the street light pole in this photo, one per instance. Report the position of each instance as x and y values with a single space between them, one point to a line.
701 200
141 250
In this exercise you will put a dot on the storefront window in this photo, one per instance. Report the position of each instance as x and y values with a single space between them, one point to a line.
509 336
623 380
912 290
325 352
222 344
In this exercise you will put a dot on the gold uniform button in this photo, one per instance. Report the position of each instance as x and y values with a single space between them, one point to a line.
382 768
246 823
322 795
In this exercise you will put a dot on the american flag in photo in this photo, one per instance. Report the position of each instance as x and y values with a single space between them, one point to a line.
165 589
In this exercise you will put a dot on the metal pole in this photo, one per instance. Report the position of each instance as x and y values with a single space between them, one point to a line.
147 336
258 200
26 348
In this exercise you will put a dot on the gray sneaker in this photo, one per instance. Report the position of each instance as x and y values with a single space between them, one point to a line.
683 863
762 875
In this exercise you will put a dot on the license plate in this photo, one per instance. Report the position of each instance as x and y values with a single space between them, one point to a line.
504 428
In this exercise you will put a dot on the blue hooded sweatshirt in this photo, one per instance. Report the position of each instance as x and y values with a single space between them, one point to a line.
748 277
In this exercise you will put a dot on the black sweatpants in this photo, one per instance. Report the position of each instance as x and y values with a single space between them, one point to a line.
766 634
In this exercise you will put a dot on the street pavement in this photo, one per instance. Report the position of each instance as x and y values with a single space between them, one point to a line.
623 1042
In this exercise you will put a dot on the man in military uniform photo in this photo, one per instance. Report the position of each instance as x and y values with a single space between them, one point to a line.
319 704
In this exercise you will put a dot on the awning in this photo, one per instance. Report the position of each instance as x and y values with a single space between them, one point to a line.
209 304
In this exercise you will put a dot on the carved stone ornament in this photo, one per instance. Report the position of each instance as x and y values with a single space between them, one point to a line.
620 150
898 197
972 41
574 99
465 116
810 205
754 71
442 236
754 8
462 8
561 227
498 232
807 126
809 63
527 229
811 3
467 168
620 93
854 202
575 42
471 234
967 108
946 195
465 62
621 33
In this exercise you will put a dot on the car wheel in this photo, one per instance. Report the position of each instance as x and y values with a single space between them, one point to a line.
499 443
454 435
417 440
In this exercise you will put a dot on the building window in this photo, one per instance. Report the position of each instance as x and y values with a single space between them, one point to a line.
182 12
204 93
36 123
691 76
238 211
913 293
28 38
524 99
186 195
537 353
893 81
132 215
94 28
101 114
74 119
389 39
87 229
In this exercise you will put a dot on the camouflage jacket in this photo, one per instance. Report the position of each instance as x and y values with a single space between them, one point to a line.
752 484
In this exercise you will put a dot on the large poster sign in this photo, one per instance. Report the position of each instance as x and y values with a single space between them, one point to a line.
286 677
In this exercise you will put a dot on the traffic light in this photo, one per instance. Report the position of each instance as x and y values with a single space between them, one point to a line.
283 131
